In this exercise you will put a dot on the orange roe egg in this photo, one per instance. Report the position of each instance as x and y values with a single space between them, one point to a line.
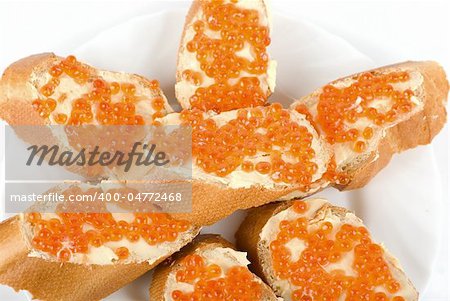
47 90
360 146
263 167
368 133
60 118
56 71
158 104
247 166
122 253
64 255
115 88
300 207
154 84
194 77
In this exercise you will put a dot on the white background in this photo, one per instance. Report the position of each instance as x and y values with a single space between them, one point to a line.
387 31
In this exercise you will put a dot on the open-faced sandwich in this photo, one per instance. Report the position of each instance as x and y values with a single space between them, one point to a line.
312 250
223 60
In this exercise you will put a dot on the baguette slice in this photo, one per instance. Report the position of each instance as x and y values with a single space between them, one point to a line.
46 90
214 250
67 272
418 126
210 79
261 233
23 82
262 227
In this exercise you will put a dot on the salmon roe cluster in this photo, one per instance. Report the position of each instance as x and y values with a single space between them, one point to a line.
68 234
269 130
108 103
334 176
209 283
308 274
220 59
340 108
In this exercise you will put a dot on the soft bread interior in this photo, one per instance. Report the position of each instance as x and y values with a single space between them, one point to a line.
187 60
318 212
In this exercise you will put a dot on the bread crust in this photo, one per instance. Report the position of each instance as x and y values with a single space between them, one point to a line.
193 11
17 94
419 129
248 234
248 239
212 202
202 242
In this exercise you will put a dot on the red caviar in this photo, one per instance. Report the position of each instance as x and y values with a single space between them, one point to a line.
114 103
67 235
327 244
236 284
339 108
236 84
226 148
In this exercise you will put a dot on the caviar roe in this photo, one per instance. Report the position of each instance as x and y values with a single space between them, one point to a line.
308 276
223 149
211 283
236 84
113 103
66 235
340 108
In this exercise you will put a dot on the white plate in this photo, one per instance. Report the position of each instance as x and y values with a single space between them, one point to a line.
401 206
